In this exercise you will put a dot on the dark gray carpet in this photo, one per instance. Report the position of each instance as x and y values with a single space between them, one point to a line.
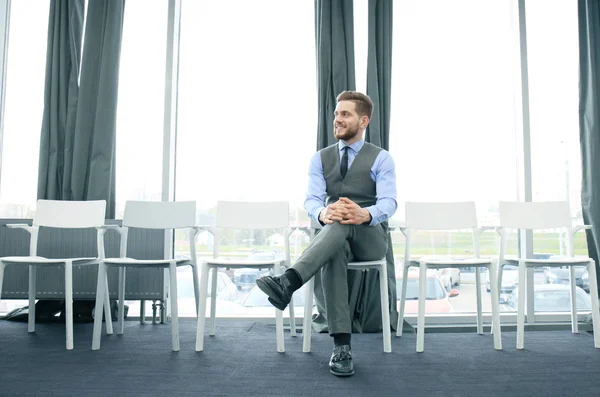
242 361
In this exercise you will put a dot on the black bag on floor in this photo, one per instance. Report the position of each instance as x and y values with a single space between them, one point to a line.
52 310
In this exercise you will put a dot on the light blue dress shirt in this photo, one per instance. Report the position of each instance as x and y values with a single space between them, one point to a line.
383 173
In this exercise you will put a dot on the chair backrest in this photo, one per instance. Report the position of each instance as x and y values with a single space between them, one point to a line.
440 215
159 214
70 214
252 215
535 215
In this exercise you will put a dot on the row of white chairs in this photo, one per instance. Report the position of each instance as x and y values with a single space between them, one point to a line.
513 215
275 216
148 215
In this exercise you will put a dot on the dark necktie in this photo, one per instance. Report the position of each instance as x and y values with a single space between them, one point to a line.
344 164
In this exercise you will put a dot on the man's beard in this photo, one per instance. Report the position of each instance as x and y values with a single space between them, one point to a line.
348 134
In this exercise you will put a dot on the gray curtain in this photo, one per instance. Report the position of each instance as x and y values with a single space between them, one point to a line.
77 157
379 71
589 120
334 31
60 94
335 73
379 88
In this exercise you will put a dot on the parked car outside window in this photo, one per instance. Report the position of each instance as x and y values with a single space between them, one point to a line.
560 275
436 298
449 276
510 281
554 298
245 278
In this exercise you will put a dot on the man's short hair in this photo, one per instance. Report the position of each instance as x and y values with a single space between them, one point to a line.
362 102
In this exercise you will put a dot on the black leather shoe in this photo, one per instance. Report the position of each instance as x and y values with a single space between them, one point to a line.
278 290
341 361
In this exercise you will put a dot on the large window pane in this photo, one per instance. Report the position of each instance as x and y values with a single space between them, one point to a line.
453 118
24 107
553 55
141 98
247 112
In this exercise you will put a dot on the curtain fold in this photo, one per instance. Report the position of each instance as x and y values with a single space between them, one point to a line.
78 159
334 32
589 120
379 71
60 94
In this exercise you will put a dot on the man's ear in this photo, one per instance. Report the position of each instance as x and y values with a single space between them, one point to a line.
364 121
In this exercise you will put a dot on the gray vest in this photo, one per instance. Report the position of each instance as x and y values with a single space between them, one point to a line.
357 185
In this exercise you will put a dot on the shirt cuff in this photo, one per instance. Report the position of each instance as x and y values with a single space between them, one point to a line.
317 216
372 221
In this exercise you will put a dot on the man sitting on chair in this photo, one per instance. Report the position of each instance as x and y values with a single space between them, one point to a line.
352 193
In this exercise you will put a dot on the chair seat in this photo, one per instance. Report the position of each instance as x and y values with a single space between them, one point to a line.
180 261
582 260
40 260
226 262
451 262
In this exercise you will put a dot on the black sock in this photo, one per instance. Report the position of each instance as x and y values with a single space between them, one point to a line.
341 339
294 278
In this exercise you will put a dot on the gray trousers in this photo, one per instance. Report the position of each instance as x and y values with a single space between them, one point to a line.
329 252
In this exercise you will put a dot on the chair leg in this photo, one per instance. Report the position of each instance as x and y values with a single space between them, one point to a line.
2 265
174 313
500 270
573 291
478 293
279 330
69 303
142 311
107 310
100 292
291 311
521 305
32 292
495 297
307 321
201 321
385 308
196 286
400 325
122 274
292 317
213 301
421 309
595 307
279 321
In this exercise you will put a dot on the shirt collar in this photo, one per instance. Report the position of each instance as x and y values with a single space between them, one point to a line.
356 146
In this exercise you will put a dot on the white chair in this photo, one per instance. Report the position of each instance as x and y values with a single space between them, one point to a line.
273 216
149 215
381 266
546 215
68 215
449 216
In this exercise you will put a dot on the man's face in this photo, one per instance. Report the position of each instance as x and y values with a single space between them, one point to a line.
346 122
